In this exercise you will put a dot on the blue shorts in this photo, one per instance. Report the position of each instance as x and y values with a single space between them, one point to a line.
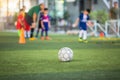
83 26
46 27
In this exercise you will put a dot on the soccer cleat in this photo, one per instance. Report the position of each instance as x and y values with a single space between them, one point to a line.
32 39
85 41
80 40
42 38
47 38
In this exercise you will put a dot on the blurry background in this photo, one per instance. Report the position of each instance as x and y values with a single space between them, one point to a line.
63 12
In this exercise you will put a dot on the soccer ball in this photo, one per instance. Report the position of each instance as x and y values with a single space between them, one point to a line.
65 54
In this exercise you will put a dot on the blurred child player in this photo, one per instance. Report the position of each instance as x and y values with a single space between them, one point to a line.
27 27
45 23
82 20
31 18
20 21
39 22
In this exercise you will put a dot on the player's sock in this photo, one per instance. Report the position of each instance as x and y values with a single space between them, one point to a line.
37 33
31 35
19 33
28 34
32 31
47 37
46 33
84 35
42 33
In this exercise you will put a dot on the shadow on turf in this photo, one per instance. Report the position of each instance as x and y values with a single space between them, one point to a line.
83 75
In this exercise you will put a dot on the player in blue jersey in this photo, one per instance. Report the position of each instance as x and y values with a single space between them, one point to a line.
83 24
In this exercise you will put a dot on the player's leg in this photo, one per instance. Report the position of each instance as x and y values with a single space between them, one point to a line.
80 35
27 29
29 21
46 33
19 33
28 34
37 32
38 29
42 34
32 31
85 36
25 33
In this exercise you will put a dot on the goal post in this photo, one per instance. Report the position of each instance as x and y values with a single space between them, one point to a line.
112 28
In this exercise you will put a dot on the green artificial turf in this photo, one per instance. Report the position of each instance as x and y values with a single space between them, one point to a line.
38 60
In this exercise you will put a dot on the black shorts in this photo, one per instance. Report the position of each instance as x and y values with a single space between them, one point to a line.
28 19
39 25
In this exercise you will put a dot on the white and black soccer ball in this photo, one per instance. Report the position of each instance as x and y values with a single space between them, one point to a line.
65 54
